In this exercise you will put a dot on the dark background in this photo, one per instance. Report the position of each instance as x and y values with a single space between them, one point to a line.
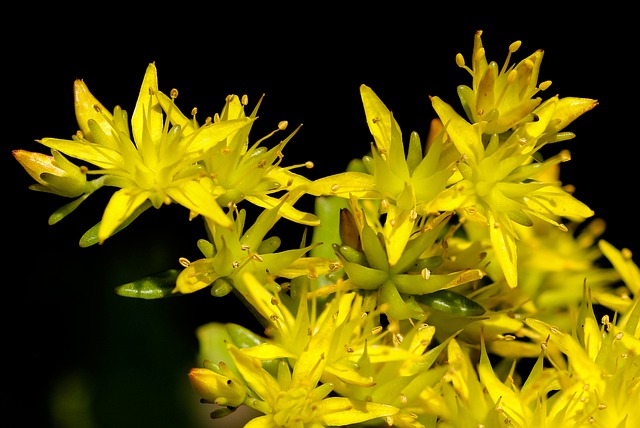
100 360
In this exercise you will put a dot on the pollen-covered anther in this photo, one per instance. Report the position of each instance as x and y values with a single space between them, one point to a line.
244 247
84 169
174 93
79 134
274 301
208 120
97 108
413 215
553 329
282 125
602 406
425 273
257 257
335 187
244 100
334 266
184 262
544 85
385 203
376 330
403 399
619 335
348 348
496 225
194 111
563 227
231 205
216 118
235 264
308 164
626 253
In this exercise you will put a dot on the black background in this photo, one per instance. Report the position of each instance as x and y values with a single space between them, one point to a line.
62 321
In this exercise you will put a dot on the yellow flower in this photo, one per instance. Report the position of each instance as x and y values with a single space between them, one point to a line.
599 386
297 397
152 164
497 185
500 97
230 252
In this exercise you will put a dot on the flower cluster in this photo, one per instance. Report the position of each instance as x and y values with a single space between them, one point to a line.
448 282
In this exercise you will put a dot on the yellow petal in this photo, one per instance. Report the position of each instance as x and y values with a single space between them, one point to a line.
88 108
339 411
197 198
147 111
121 206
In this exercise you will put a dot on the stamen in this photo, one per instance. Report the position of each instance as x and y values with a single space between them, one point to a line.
184 262
283 125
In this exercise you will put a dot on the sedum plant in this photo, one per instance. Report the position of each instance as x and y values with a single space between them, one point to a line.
449 280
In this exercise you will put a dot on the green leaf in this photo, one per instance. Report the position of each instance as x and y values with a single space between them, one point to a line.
155 286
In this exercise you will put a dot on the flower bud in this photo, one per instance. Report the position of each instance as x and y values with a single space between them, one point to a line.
217 388
54 174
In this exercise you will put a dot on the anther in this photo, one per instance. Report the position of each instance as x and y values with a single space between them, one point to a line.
97 108
257 257
308 164
626 253
515 46
216 118
184 262
274 301
335 188
84 169
334 266
244 100
425 273
376 330
544 85
282 125
174 93
194 111
235 264
563 228
244 247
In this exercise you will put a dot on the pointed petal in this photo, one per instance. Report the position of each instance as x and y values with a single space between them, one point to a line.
121 206
196 197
